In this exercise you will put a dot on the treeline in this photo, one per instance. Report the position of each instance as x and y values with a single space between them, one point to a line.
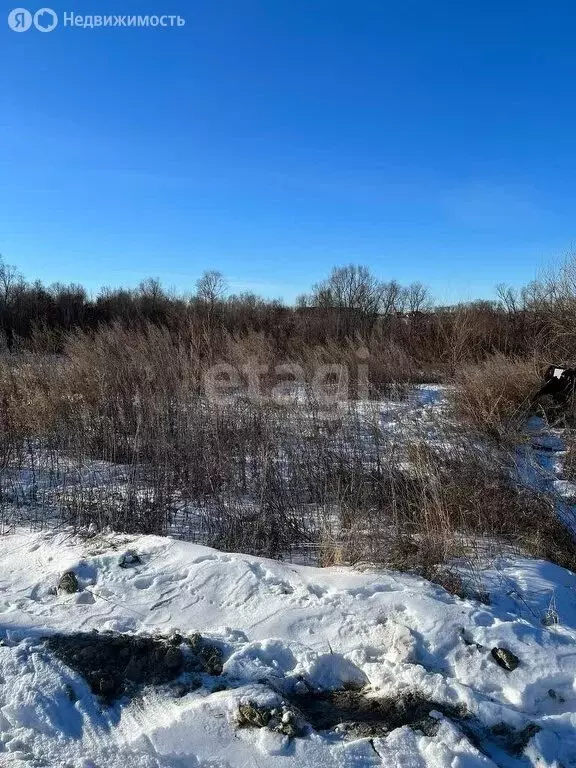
33 312
351 306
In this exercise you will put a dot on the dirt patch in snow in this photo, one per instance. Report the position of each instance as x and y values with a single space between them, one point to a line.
360 715
113 663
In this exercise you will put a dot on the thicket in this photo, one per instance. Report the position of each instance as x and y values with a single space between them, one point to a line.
105 419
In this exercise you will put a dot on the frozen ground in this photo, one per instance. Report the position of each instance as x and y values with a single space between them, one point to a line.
283 628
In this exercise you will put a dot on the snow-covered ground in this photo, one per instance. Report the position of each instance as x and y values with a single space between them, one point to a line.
283 629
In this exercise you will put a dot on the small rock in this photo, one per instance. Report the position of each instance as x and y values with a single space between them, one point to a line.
288 725
250 715
129 559
505 658
213 661
206 655
68 583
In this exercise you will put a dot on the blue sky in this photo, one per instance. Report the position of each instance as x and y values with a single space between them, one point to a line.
273 139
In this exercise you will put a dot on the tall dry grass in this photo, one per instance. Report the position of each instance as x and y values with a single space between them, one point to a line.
119 434
494 396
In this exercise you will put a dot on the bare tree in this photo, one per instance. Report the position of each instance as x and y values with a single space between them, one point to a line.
354 292
391 298
9 279
352 287
211 287
151 288
418 298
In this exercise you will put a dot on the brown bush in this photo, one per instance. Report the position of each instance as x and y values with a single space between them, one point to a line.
493 396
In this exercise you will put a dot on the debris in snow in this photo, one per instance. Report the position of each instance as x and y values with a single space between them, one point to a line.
362 715
555 696
250 715
300 688
287 724
70 693
467 640
512 740
276 719
210 655
68 583
505 658
129 559
111 662
551 617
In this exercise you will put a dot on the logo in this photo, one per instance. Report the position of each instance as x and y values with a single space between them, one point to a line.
20 20
45 20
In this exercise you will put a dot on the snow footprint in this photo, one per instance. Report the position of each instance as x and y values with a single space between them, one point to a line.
143 582
275 585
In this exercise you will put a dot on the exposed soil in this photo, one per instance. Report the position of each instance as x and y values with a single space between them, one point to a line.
361 716
356 713
114 663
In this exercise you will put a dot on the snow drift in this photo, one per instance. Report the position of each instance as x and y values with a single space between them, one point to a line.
283 630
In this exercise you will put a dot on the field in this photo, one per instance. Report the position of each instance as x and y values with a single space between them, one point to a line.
262 548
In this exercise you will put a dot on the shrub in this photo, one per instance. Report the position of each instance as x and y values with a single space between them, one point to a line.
493 396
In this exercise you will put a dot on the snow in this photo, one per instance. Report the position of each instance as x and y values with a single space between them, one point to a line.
283 628
540 465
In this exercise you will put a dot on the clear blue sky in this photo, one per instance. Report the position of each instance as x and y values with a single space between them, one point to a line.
273 139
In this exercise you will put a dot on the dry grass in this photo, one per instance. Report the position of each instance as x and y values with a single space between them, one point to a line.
569 463
260 476
493 396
